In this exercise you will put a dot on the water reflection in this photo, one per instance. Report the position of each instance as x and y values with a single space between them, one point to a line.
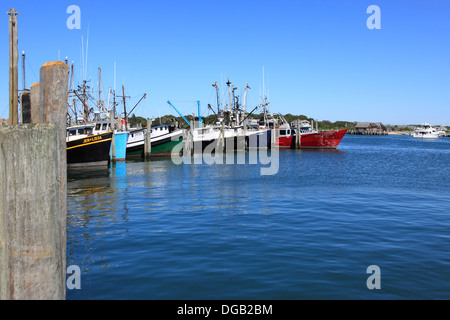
95 208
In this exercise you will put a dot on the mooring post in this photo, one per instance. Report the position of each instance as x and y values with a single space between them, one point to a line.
296 135
223 136
191 136
185 142
13 74
54 78
25 106
113 140
37 113
32 225
119 119
148 140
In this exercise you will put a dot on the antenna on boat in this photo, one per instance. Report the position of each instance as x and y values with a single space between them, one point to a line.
87 47
245 98
229 90
264 93
217 95
114 76
82 58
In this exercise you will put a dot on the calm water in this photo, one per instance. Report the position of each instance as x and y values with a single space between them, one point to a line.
156 230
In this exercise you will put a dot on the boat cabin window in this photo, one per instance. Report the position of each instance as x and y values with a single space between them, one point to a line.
85 131
282 132
72 132
104 126
97 126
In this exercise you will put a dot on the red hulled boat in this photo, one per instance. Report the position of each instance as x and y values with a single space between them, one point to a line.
309 138
322 140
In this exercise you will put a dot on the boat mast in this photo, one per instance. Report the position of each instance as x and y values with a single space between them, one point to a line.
124 106
245 98
229 92
217 95
100 102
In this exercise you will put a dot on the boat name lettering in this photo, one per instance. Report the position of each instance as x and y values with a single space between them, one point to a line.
92 139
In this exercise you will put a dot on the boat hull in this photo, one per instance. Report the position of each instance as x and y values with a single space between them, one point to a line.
322 140
120 144
426 136
89 151
285 142
161 147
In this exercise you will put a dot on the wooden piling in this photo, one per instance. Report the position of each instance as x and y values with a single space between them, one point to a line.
13 74
297 135
54 79
191 136
113 140
37 113
32 223
148 140
25 106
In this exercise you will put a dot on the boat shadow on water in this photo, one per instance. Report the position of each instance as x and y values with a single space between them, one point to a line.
322 150
87 173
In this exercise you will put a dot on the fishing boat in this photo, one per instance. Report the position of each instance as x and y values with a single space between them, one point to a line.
315 139
164 140
233 121
426 131
86 149
309 138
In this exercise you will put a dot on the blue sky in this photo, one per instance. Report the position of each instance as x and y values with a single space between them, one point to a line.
319 57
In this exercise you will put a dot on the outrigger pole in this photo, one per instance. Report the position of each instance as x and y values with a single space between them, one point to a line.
179 113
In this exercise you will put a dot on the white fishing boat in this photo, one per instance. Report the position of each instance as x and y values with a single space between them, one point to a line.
426 131
164 139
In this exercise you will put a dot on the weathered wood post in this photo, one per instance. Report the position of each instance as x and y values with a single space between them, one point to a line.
119 119
13 74
25 104
32 225
274 138
37 113
113 140
185 142
54 78
191 136
297 135
222 131
148 140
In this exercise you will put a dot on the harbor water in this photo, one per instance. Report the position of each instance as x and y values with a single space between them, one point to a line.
158 230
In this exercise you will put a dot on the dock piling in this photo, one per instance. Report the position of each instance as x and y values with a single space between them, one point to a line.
113 140
148 140
32 223
25 107
37 113
13 73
